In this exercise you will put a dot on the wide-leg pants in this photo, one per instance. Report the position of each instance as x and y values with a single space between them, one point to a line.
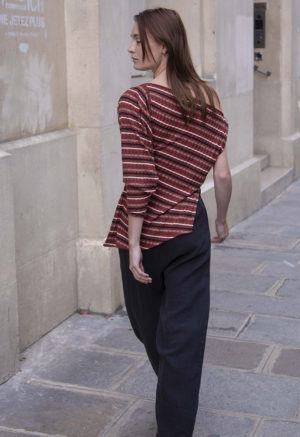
170 317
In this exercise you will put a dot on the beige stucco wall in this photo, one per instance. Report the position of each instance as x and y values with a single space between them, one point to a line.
32 68
227 47
97 34
234 65
208 41
44 174
276 112
9 326
39 205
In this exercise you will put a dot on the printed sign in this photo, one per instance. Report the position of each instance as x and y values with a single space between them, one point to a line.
23 18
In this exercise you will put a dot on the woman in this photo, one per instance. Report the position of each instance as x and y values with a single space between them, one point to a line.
173 132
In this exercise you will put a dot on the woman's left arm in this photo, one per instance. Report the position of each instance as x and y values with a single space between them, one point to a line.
135 224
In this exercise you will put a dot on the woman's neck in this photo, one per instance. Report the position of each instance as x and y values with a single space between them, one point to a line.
160 77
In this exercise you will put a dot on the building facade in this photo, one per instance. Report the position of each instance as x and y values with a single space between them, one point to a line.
63 66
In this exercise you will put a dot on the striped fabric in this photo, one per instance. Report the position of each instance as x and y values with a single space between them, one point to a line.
164 164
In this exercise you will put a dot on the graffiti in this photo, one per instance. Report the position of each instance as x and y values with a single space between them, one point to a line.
23 14
27 21
25 5
4 19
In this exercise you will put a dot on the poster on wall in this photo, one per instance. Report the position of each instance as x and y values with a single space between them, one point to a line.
23 18
32 67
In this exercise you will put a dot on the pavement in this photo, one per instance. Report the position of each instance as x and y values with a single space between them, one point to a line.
90 377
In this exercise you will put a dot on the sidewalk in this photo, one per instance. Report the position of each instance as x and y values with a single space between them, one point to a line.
90 377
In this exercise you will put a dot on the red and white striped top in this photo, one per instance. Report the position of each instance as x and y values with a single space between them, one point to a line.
164 164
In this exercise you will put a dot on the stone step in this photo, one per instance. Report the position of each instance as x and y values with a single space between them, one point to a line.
273 180
264 160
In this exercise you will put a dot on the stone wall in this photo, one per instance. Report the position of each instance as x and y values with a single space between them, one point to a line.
32 67
233 48
9 326
38 172
44 185
276 122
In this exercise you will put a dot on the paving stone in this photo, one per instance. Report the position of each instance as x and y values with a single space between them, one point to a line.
287 229
256 221
225 323
77 329
294 188
252 225
233 263
274 330
138 421
248 226
56 341
141 383
232 353
54 411
288 363
223 251
243 392
211 424
267 240
121 338
243 283
290 288
276 428
92 324
292 197
278 306
285 204
117 320
16 433
280 214
283 269
88 368
82 323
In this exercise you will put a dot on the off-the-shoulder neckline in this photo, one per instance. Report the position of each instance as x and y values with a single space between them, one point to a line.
171 91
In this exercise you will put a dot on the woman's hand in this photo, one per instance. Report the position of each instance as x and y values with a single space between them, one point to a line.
222 232
136 266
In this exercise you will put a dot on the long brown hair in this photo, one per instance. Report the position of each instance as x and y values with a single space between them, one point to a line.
167 28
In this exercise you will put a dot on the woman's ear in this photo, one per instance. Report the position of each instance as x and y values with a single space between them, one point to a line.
164 50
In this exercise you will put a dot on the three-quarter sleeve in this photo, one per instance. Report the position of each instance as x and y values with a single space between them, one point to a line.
139 172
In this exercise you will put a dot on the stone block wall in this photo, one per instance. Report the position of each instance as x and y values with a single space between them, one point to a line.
44 186
38 178
9 328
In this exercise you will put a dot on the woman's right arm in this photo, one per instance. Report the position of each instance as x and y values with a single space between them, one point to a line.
223 188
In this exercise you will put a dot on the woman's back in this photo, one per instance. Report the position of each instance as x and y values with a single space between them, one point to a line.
184 154
165 162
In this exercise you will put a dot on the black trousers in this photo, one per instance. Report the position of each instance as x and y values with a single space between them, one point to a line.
170 317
